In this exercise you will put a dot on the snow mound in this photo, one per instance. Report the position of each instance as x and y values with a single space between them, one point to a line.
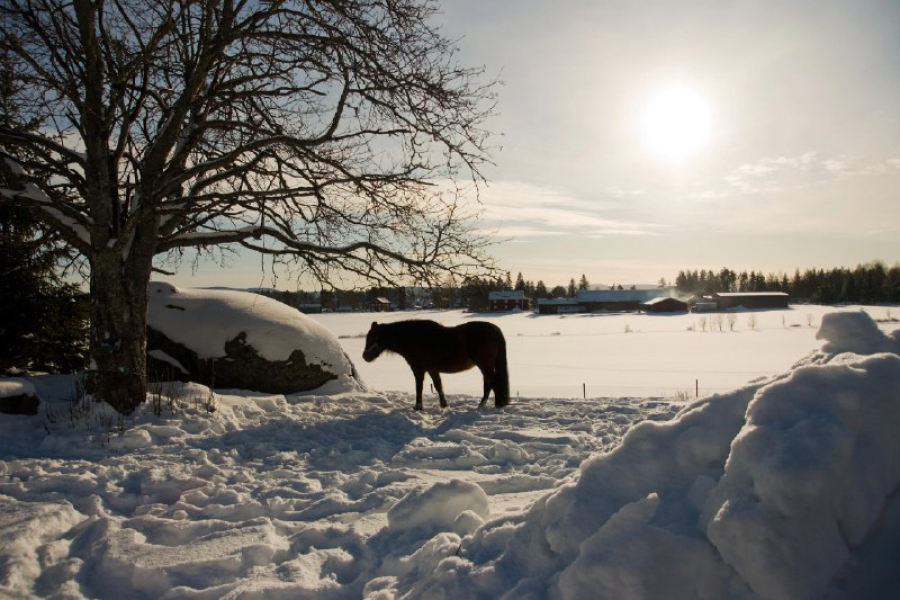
443 506
855 332
204 321
765 492
808 475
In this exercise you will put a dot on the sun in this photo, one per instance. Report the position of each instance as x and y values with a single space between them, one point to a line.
676 123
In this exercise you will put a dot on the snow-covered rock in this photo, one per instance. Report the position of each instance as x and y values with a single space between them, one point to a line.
230 339
17 397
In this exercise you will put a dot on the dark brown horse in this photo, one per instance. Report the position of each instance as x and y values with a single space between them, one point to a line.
429 347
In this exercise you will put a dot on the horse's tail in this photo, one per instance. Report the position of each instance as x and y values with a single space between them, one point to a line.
501 376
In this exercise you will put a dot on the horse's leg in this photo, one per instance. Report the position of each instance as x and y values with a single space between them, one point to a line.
439 386
488 378
420 379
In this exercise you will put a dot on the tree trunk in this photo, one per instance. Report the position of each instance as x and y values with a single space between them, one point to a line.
119 329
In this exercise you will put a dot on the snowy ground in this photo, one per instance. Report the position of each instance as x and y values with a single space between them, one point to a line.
615 355
785 487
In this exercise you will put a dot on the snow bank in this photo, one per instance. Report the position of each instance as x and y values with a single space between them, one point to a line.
764 492
855 332
808 475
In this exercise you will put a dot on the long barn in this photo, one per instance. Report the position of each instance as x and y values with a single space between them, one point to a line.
751 299
617 300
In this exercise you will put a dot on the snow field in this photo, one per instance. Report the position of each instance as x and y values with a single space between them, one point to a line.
570 356
784 487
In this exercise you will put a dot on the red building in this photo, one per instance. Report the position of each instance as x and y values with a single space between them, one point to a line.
504 301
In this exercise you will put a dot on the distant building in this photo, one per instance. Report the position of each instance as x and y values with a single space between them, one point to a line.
751 299
503 301
618 300
559 306
380 304
661 305
310 309
702 304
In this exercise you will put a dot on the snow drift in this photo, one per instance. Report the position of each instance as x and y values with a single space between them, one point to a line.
766 492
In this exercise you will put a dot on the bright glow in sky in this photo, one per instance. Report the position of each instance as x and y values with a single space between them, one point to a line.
786 154
676 123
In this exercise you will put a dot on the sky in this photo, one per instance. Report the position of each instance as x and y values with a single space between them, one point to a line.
775 143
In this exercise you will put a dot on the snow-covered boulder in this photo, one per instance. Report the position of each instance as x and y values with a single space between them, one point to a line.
231 339
17 397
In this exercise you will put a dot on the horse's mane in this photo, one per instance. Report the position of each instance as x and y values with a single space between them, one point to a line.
410 329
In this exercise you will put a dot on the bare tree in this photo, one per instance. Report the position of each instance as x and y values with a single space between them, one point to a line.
327 134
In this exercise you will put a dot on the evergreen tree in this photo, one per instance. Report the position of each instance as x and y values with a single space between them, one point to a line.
43 321
682 284
583 284
520 283
326 299
475 292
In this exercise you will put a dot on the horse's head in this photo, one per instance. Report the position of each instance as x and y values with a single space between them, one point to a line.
373 344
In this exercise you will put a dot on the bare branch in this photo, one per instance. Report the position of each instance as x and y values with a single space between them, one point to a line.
311 130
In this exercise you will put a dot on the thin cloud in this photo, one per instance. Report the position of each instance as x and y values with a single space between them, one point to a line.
770 175
524 210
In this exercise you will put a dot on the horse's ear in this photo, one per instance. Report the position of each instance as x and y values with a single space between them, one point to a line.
374 324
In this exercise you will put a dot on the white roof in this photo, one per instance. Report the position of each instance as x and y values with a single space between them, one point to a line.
620 295
742 294
662 299
558 301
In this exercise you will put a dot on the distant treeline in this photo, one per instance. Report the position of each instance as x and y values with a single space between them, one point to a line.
871 282
471 294
868 283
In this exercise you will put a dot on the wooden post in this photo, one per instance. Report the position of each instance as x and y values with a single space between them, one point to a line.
696 388
584 390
